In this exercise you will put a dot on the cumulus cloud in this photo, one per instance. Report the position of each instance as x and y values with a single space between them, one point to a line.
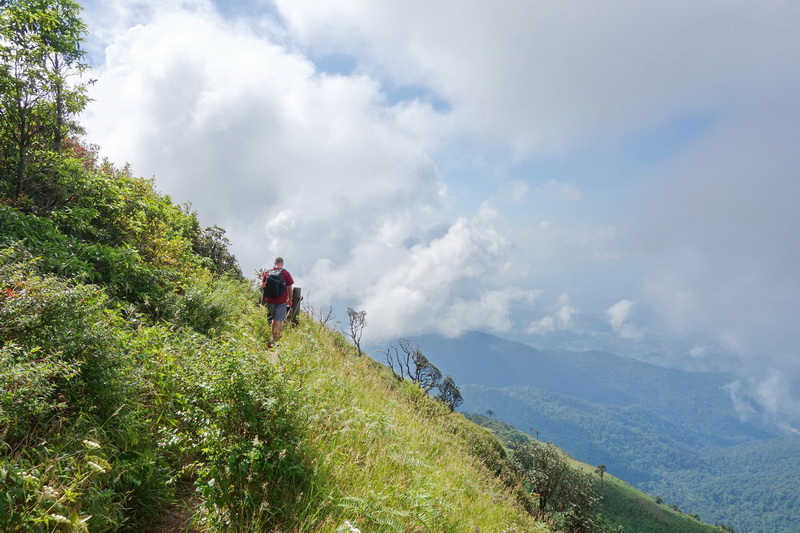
284 157
316 167
453 284
562 318
618 316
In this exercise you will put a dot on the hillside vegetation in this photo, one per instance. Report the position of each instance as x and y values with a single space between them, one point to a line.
110 419
135 389
624 507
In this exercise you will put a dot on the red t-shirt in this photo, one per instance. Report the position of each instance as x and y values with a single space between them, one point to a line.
287 279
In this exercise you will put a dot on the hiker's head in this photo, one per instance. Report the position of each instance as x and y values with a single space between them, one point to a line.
279 261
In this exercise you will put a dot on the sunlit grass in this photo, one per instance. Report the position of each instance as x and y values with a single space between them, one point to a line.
393 458
635 511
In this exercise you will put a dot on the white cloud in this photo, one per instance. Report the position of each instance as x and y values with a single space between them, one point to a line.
773 391
451 285
288 160
549 74
560 319
618 316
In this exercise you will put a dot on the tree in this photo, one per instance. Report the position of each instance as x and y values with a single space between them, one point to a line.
40 48
214 245
358 321
412 364
450 394
423 371
601 470
565 494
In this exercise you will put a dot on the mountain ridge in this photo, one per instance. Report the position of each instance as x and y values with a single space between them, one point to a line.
658 428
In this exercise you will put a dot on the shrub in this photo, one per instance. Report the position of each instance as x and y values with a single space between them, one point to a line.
232 425
74 440
565 495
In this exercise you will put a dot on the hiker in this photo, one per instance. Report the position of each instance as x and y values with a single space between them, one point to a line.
277 285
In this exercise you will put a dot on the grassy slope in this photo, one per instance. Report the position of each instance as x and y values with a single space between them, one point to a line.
622 505
636 511
387 457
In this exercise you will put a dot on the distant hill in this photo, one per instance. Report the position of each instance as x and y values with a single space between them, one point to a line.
622 505
670 432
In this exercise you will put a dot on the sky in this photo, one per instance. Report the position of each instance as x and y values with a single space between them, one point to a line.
619 171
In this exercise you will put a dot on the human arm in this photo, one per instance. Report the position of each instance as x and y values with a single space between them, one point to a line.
289 293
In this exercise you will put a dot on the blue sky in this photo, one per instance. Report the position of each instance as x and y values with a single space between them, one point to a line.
620 173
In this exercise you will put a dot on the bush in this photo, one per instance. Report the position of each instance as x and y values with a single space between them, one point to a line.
74 440
221 306
566 496
229 423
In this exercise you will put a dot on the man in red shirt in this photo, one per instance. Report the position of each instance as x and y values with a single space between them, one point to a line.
277 304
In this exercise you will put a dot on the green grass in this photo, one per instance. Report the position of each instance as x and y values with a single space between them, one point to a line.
386 456
622 505
634 510
109 421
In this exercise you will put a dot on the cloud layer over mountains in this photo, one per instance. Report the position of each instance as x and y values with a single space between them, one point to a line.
516 167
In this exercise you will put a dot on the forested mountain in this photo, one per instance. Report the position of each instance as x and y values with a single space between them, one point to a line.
672 433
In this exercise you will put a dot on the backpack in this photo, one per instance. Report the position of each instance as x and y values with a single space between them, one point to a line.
275 286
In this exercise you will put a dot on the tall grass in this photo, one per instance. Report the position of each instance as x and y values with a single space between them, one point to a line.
390 457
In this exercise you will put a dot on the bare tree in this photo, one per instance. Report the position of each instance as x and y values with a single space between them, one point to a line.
417 367
324 315
408 362
358 321
400 362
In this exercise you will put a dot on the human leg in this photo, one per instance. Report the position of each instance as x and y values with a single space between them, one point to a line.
277 313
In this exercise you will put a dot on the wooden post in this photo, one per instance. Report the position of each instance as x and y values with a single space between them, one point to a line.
295 309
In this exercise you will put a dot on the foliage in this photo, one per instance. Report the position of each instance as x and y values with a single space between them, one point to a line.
213 244
70 429
117 231
742 486
230 421
39 51
623 508
357 321
101 417
566 496
449 393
